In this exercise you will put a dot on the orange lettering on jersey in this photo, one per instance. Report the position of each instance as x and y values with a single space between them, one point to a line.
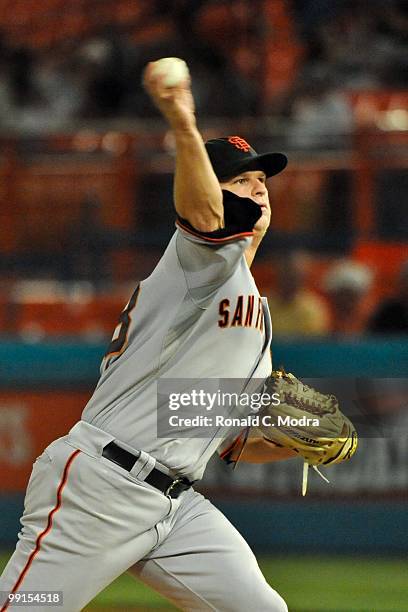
259 313
243 313
224 313
250 311
237 318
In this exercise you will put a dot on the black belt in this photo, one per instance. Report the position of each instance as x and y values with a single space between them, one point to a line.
159 480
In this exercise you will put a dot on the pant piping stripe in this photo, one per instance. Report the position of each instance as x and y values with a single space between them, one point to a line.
47 529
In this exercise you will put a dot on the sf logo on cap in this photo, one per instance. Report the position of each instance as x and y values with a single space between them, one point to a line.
239 143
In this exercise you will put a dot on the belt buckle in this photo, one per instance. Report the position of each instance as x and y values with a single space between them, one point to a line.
177 486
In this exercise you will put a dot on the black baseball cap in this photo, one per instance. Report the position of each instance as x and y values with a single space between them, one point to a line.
232 155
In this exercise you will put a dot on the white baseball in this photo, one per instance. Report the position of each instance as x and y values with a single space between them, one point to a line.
173 69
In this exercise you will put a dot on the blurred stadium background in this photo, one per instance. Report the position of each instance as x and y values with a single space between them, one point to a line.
86 210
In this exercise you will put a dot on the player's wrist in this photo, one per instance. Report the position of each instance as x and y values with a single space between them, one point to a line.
183 124
186 134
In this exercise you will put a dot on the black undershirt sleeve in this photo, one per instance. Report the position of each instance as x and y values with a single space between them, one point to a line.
240 216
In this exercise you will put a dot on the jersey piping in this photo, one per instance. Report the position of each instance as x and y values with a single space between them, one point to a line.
215 240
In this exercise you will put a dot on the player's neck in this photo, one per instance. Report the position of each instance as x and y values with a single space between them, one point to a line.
253 247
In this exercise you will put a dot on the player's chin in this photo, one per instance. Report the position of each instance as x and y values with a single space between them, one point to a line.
263 222
262 225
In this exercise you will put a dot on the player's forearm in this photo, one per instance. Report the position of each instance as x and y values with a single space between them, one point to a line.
197 192
259 450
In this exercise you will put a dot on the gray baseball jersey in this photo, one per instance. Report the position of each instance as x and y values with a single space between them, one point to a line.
199 314
87 519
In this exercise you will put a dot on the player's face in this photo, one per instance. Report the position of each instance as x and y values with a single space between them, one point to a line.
252 184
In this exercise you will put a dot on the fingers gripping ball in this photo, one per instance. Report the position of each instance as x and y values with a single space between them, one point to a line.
308 422
173 70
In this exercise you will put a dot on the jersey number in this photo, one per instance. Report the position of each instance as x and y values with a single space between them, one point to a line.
120 335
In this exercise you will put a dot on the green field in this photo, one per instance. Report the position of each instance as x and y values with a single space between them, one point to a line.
309 584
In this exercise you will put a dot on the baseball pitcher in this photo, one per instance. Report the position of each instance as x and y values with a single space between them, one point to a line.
112 496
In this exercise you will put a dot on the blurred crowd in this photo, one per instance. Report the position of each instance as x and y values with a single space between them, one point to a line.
363 44
343 46
309 298
346 301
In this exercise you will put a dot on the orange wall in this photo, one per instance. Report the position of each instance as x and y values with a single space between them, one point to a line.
29 421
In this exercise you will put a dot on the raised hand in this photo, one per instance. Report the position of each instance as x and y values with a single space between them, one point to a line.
176 103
